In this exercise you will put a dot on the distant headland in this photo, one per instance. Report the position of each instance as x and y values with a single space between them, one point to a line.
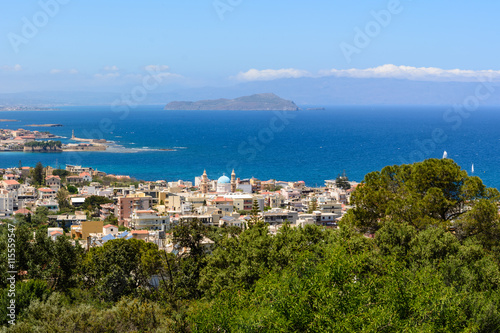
26 108
257 102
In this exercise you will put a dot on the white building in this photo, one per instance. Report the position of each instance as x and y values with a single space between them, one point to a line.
224 184
110 229
46 193
51 204
149 219
7 202
10 184
245 201
53 233
88 190
86 176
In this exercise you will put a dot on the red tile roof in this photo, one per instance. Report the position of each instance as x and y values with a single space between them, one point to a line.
23 211
46 190
11 182
145 211
109 226
221 199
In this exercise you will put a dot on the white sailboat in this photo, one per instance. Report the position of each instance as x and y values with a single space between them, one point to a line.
445 154
472 168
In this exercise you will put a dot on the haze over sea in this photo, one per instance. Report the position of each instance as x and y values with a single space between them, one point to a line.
305 145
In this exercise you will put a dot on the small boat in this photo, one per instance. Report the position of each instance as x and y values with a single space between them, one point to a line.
472 168
445 154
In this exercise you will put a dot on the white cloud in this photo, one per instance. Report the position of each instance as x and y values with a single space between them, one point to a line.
380 72
15 68
271 74
415 73
167 75
111 69
60 71
134 76
156 68
161 72
107 76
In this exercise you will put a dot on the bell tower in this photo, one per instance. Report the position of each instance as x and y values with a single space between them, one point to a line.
204 182
233 182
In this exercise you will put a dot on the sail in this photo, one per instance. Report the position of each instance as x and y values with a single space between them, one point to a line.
445 154
472 168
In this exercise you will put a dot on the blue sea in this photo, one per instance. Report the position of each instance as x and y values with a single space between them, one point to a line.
309 145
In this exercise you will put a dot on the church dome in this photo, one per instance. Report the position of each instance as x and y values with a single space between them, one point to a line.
224 180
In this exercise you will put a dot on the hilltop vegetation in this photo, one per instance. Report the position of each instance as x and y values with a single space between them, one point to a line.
432 265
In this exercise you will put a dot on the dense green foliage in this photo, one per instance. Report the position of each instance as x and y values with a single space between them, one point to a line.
342 181
94 202
430 193
431 269
72 189
60 172
313 205
44 144
38 174
62 199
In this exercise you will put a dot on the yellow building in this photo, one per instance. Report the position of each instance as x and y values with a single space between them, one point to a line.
86 228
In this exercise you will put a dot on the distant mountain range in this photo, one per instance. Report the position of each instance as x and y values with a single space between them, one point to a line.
303 91
257 102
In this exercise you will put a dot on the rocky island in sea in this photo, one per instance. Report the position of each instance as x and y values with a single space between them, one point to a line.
257 102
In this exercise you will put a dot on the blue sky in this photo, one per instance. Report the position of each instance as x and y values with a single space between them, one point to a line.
96 45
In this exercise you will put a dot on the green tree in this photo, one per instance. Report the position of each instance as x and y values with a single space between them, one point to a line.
313 205
111 219
93 202
42 259
40 216
482 223
342 182
26 293
429 193
190 235
67 261
44 144
62 199
120 267
72 189
60 172
38 174
254 214
336 284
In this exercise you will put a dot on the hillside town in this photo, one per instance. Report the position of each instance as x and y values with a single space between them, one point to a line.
93 207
